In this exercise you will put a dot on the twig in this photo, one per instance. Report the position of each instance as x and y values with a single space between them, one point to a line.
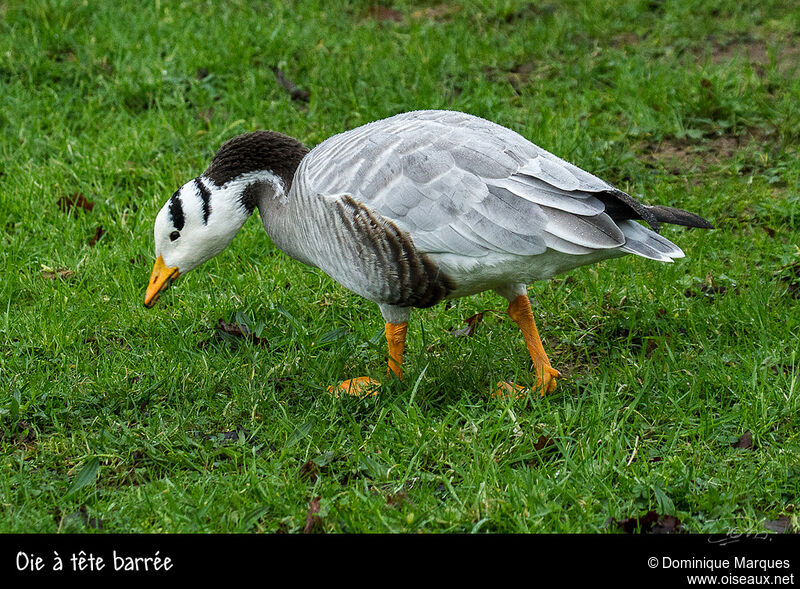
294 92
635 448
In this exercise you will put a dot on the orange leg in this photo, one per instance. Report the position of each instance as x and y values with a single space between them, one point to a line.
364 385
396 338
520 311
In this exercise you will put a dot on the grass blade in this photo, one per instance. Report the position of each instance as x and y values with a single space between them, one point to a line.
86 476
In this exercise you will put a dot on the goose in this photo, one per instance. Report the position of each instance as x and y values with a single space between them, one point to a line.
410 210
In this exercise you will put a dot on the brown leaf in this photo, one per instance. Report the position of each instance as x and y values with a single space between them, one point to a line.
384 13
98 233
543 442
533 10
397 499
709 290
708 287
649 523
235 329
64 273
667 524
239 330
309 471
472 325
782 525
745 442
23 432
545 447
438 12
295 93
76 199
313 521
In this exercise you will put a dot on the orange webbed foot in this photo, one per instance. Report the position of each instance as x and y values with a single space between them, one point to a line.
362 386
546 379
545 384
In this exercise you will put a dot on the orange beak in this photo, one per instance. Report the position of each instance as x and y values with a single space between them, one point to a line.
160 280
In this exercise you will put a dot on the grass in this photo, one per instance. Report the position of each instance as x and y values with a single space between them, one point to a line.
114 418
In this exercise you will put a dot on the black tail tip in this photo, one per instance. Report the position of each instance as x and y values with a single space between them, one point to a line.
680 217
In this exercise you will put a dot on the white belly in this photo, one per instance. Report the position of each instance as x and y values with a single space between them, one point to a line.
474 275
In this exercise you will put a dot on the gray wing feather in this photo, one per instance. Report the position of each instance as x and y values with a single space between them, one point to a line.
642 241
463 185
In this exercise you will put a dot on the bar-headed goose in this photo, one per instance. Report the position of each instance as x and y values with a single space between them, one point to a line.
410 210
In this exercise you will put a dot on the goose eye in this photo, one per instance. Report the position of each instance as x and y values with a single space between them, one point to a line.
174 235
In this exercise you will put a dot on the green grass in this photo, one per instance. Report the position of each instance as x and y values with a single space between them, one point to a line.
114 418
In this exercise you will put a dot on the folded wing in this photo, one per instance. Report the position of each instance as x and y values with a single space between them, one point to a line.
462 185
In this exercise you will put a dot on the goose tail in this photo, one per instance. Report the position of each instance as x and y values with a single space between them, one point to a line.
679 217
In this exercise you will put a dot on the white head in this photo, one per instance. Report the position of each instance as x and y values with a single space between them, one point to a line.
205 214
197 223
200 220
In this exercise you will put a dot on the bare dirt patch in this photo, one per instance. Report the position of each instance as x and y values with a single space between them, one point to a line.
680 155
438 12
757 51
625 40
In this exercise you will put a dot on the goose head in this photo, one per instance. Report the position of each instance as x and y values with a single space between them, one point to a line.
204 215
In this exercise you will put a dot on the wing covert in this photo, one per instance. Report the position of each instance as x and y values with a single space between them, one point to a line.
462 185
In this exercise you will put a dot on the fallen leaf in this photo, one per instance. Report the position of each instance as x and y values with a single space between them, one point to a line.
438 12
545 450
51 274
98 233
708 287
309 471
649 523
472 325
530 11
295 93
23 433
702 288
667 524
76 199
782 525
313 521
235 329
230 331
745 442
384 13
225 438
397 499
543 442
